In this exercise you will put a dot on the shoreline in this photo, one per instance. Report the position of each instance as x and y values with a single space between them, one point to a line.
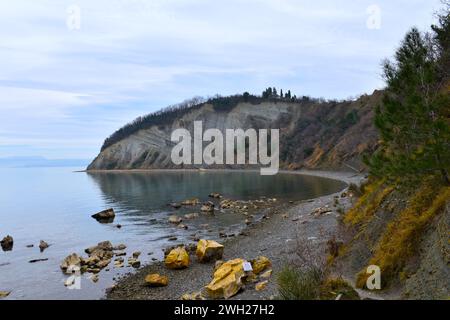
275 237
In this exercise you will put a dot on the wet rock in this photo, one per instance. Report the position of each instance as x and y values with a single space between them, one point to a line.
120 254
190 216
43 245
38 260
260 264
7 243
118 226
215 195
120 247
261 285
183 226
173 239
209 250
177 258
156 280
207 207
30 245
95 278
70 261
4 294
191 202
133 262
175 205
175 219
105 216
227 280
136 254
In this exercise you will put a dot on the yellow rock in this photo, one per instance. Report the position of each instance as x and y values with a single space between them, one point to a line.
260 264
192 296
227 280
261 285
177 258
156 280
266 274
209 250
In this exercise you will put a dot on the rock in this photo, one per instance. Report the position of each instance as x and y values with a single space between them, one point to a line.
173 239
4 294
43 245
177 258
38 260
191 202
209 250
191 216
227 280
193 296
7 243
215 195
183 226
247 221
120 247
156 280
175 205
266 274
105 246
136 254
261 285
118 226
95 278
260 264
175 219
134 263
120 254
105 216
30 245
207 207
70 261
69 281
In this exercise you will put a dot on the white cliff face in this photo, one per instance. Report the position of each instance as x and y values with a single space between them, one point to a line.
303 126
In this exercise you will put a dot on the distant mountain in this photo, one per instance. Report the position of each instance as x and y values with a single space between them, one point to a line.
31 161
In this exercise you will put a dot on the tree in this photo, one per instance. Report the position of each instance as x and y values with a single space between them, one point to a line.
413 119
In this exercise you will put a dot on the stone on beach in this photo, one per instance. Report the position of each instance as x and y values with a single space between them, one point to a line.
261 285
7 243
227 280
260 264
4 294
209 250
177 258
105 216
156 280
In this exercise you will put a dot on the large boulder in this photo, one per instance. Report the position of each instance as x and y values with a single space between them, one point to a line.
70 261
177 258
227 280
209 250
260 264
7 243
156 280
105 216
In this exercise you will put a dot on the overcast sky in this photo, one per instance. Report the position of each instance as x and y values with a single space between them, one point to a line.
67 83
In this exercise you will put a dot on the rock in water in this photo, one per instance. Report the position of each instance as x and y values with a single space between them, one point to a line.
105 216
7 243
177 258
209 250
4 294
71 260
175 219
156 280
43 245
207 207
260 264
227 280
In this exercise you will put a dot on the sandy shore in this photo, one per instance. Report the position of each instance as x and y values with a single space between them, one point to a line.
275 237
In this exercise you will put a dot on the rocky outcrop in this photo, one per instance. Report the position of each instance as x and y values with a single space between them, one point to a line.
313 134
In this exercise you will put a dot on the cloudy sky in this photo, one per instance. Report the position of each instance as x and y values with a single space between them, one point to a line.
72 72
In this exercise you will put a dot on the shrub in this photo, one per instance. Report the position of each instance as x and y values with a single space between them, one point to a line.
299 284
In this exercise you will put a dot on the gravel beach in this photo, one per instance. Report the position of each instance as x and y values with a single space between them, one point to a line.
275 237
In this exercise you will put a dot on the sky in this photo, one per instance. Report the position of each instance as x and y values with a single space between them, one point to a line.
72 72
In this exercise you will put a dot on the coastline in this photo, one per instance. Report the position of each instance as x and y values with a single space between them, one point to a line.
275 237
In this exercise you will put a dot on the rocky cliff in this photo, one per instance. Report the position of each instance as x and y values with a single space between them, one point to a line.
313 133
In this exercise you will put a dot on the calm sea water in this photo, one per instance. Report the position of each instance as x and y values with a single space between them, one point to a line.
56 204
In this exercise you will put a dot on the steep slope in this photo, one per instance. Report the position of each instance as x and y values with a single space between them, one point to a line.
313 134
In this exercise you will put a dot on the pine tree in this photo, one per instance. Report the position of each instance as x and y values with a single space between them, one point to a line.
413 119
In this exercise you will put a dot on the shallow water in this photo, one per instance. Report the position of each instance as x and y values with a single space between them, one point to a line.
56 204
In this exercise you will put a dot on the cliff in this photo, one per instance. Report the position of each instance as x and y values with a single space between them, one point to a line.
313 134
